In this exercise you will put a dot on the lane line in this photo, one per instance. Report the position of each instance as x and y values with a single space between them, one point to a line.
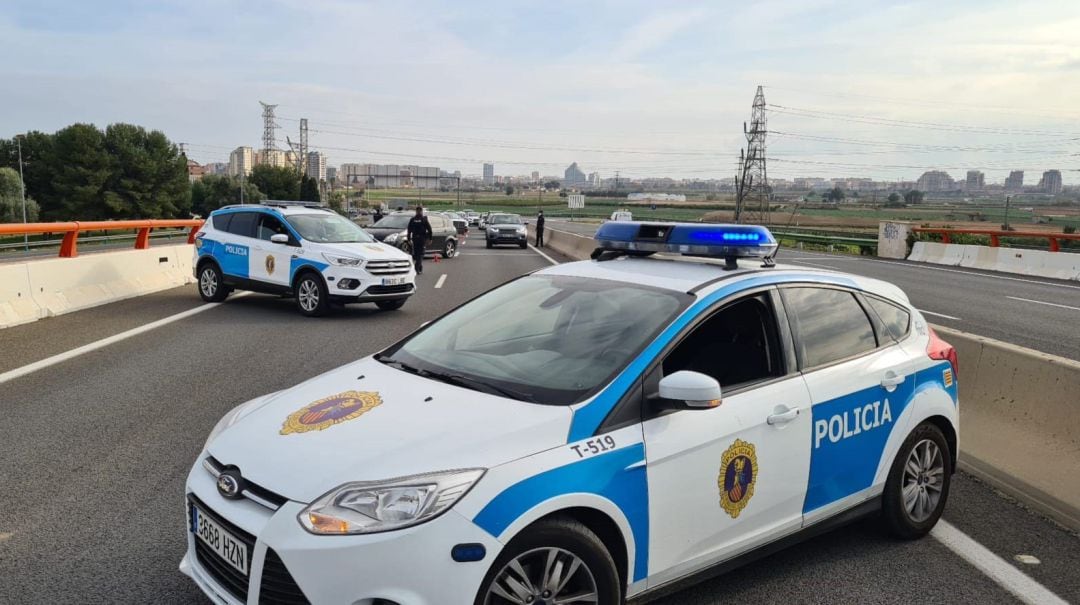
1039 302
925 312
442 280
994 567
104 342
546 257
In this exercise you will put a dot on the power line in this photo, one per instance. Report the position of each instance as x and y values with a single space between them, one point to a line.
877 120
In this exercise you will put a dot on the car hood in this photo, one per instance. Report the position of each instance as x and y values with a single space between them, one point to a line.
381 232
366 251
401 424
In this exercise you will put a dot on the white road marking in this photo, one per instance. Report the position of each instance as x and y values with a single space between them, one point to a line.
925 312
997 569
442 279
546 257
1039 302
104 342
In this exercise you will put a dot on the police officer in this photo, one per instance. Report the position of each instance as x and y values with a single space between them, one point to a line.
419 234
540 228
378 214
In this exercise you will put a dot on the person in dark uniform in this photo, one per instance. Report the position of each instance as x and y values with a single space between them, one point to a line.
378 215
540 229
419 234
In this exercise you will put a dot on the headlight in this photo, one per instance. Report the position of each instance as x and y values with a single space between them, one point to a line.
234 415
492 229
374 506
393 237
521 228
346 261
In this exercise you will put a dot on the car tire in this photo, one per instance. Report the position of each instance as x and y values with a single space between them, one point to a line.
312 297
449 249
390 305
211 286
566 538
523 245
489 244
918 484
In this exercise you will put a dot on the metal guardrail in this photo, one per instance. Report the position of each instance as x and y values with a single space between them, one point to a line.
997 234
71 231
814 238
97 239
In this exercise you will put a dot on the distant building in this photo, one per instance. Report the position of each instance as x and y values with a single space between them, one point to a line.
489 174
276 158
241 161
1051 182
316 166
194 171
976 181
573 177
331 174
389 175
935 181
216 168
1015 181
536 176
594 179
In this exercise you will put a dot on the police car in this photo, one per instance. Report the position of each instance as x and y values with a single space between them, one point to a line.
302 250
609 428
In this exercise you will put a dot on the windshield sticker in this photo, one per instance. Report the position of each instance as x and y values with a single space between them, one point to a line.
328 411
738 473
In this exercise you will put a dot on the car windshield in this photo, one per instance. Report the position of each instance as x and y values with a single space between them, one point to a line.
394 221
544 338
328 228
505 219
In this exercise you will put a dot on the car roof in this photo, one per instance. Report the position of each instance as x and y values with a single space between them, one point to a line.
283 208
695 274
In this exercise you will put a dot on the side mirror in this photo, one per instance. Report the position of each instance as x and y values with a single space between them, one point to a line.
279 238
526 222
690 390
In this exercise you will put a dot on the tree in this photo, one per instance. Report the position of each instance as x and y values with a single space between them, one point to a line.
894 197
11 204
509 190
913 197
336 201
552 185
276 182
148 175
835 195
309 190
214 191
81 169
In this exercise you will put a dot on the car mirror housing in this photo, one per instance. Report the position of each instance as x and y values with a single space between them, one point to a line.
279 238
690 390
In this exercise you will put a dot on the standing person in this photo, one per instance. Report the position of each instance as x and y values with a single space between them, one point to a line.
378 214
419 234
540 229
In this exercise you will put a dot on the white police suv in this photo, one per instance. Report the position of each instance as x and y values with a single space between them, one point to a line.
298 249
586 433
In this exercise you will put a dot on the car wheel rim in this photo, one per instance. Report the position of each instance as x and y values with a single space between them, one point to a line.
208 282
544 576
449 249
924 479
308 295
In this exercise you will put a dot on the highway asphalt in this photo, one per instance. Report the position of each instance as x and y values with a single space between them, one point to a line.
1038 313
96 449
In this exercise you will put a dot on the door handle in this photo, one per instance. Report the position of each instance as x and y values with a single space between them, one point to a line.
783 417
892 380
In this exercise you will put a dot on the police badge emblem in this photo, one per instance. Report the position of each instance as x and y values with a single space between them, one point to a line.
738 473
328 411
269 264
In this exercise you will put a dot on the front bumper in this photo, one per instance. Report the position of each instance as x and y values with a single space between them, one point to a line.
355 284
506 238
408 566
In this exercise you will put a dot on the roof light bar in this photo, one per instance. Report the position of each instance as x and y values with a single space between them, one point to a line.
696 239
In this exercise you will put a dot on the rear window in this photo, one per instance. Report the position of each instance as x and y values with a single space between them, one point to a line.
895 319
221 221
829 324
243 223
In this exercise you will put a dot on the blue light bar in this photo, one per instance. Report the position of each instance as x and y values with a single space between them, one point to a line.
697 239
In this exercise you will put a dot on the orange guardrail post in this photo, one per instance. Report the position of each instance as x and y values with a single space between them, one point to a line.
1054 246
993 240
193 233
69 248
945 237
142 240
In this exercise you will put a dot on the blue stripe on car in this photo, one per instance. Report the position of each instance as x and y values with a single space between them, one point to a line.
297 264
619 476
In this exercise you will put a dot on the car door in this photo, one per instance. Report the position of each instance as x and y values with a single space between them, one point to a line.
860 382
270 261
725 479
234 254
438 233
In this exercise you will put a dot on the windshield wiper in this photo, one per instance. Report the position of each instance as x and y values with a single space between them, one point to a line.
477 385
393 363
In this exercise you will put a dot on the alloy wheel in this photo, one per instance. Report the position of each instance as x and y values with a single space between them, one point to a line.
924 477
544 576
308 295
208 282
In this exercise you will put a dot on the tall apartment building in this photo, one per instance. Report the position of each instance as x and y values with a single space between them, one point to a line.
573 176
1015 181
489 174
935 181
1051 182
594 179
316 166
241 161
536 176
976 181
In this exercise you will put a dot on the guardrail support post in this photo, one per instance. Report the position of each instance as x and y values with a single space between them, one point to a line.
994 242
1054 246
191 235
69 248
142 240
945 237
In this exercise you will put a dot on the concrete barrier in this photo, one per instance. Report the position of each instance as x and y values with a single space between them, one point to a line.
1041 263
577 247
41 288
1020 422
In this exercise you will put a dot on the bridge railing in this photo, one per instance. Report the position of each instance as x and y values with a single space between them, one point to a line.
996 235
69 246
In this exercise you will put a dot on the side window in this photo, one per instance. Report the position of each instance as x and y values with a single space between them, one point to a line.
221 222
739 344
436 223
896 319
829 324
243 223
269 225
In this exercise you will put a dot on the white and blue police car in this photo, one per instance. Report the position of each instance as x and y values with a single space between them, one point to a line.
298 249
588 433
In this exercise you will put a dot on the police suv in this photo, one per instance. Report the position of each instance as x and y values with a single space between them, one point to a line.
298 249
587 433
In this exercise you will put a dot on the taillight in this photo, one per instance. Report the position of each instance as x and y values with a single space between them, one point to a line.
939 349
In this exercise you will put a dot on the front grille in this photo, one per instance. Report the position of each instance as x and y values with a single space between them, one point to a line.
278 585
388 267
399 289
224 574
252 491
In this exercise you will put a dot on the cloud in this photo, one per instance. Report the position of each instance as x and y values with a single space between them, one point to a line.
654 31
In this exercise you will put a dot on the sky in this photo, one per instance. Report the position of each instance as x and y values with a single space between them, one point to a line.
883 90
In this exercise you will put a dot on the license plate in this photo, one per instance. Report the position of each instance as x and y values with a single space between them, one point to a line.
233 551
393 281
